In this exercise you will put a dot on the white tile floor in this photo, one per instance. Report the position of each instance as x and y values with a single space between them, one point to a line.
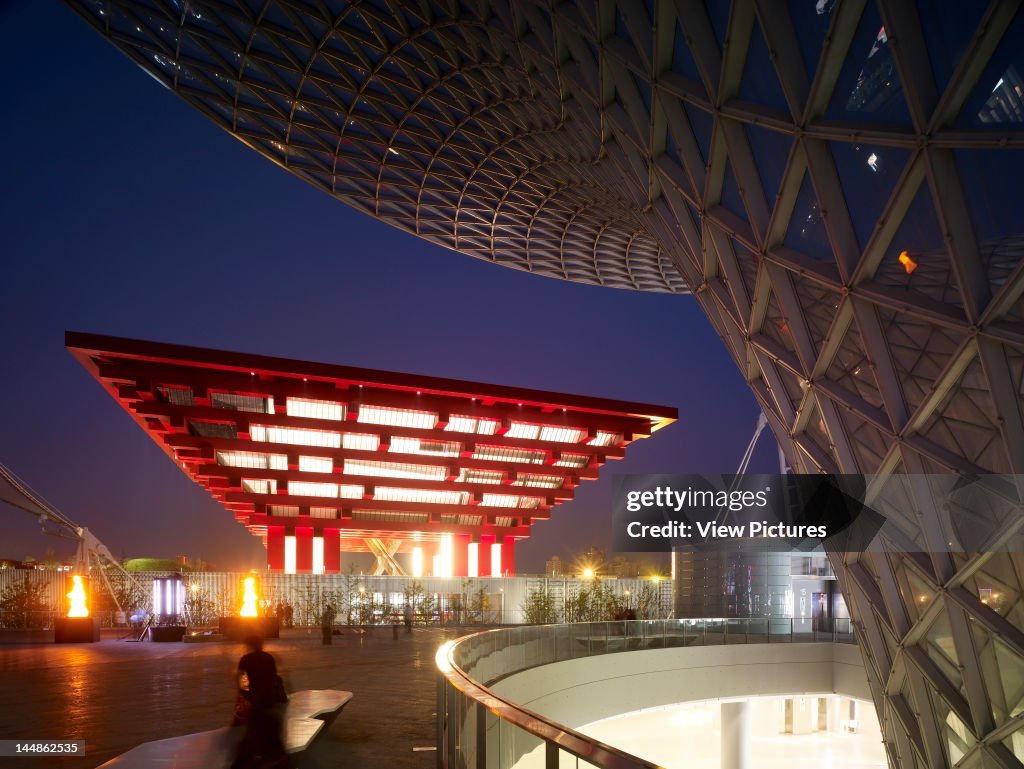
688 736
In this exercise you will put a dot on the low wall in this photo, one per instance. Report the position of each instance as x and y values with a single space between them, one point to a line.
579 691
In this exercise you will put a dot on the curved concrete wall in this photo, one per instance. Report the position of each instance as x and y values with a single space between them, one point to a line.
577 692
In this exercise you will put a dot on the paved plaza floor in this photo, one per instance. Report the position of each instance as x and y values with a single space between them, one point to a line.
117 694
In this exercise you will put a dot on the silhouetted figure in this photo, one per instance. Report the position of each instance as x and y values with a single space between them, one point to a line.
327 624
262 744
289 615
407 616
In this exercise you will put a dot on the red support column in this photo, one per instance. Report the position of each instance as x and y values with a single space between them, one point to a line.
332 551
303 549
460 555
275 548
483 555
508 557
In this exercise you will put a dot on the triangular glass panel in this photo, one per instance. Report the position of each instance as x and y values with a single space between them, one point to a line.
793 388
990 180
776 325
938 643
771 154
868 443
1003 672
917 593
997 96
731 198
869 88
868 174
806 232
702 125
851 368
947 33
998 587
919 351
683 62
965 423
819 306
917 261
811 22
817 431
760 83
748 262
718 13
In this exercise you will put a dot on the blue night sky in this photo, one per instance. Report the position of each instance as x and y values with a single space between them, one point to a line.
127 213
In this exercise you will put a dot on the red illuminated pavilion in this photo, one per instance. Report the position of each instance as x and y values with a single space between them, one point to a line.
317 458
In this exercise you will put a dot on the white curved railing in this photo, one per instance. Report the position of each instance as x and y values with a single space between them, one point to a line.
479 729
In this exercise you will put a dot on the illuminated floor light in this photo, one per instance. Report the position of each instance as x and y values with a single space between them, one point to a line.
318 555
289 554
417 561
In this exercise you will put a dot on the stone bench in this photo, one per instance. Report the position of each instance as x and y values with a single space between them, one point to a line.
308 713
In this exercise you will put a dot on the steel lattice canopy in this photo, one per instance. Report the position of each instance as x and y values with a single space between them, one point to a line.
374 454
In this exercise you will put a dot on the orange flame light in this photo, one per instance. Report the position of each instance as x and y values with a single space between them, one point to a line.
77 598
908 264
249 598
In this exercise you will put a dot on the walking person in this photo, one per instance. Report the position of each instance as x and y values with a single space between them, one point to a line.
327 624
407 615
262 745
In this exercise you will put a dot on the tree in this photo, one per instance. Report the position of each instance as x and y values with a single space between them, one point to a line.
24 605
539 607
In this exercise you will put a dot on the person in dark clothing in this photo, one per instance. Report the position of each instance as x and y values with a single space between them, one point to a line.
262 744
327 624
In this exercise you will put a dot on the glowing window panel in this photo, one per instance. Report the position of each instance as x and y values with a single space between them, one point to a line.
360 442
427 496
382 415
179 396
289 554
572 460
323 512
256 404
605 439
395 470
283 511
318 555
346 491
499 500
306 489
426 448
316 464
504 520
257 486
461 519
530 503
295 437
252 460
314 409
481 476
389 515
524 431
500 454
462 424
539 481
562 434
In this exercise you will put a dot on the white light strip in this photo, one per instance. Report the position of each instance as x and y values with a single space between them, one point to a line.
562 434
473 558
306 489
314 409
417 561
461 424
395 470
447 561
428 448
318 555
289 554
524 431
381 415
294 437
158 604
496 559
316 464
360 442
436 566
